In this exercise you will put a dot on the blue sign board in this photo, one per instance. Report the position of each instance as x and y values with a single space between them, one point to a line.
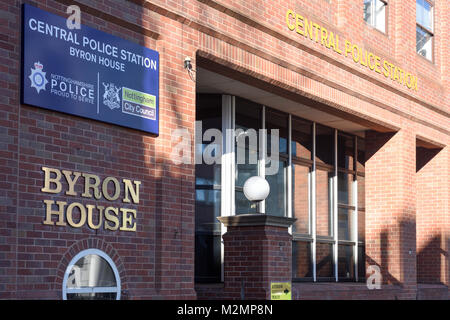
88 73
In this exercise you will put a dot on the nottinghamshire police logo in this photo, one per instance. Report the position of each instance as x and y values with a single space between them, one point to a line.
111 96
37 77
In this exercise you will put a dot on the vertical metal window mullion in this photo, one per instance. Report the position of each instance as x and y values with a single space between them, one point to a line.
374 15
335 208
312 197
262 154
372 12
289 172
227 166
233 162
355 212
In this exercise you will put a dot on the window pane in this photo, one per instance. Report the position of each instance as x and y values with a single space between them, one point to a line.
346 264
346 152
92 296
361 192
300 198
419 11
368 11
324 145
361 226
248 118
245 171
243 206
424 43
207 174
324 259
424 14
247 114
301 259
207 200
91 271
276 200
345 188
380 16
207 209
207 257
345 223
362 262
301 144
323 203
277 120
361 161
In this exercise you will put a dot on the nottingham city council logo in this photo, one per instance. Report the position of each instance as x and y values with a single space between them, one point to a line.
37 77
111 96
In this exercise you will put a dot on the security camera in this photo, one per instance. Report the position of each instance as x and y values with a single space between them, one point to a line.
187 63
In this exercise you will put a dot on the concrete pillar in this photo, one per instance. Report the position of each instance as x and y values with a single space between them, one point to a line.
391 208
257 251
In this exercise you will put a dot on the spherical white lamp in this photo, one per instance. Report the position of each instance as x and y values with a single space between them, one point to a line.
256 189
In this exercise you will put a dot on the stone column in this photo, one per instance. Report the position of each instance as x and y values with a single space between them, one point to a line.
257 251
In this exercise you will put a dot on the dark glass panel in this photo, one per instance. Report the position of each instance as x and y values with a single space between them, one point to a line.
346 152
345 188
276 200
346 263
324 260
345 223
361 156
301 260
277 120
207 257
324 145
301 143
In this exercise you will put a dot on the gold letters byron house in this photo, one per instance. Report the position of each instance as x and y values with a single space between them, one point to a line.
112 218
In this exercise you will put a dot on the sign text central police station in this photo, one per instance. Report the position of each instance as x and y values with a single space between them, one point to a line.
88 73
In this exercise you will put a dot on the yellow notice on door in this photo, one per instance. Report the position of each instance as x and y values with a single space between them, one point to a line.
280 291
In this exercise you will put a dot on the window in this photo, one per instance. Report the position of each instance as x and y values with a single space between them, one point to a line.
207 195
301 168
375 14
333 249
91 275
346 211
361 204
275 203
247 123
424 29
301 153
319 180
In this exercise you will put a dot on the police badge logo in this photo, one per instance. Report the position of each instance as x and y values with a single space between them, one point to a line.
111 96
37 77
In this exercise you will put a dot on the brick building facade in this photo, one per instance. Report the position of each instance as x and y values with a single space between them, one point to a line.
337 79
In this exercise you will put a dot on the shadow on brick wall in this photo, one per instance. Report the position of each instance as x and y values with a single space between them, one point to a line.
430 261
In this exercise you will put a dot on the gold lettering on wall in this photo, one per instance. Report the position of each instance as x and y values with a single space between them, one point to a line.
304 27
77 214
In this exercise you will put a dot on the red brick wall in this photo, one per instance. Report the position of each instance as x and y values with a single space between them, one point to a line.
432 216
155 261
251 37
253 257
390 207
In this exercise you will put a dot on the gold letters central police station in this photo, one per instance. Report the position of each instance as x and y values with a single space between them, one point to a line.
309 29
111 218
